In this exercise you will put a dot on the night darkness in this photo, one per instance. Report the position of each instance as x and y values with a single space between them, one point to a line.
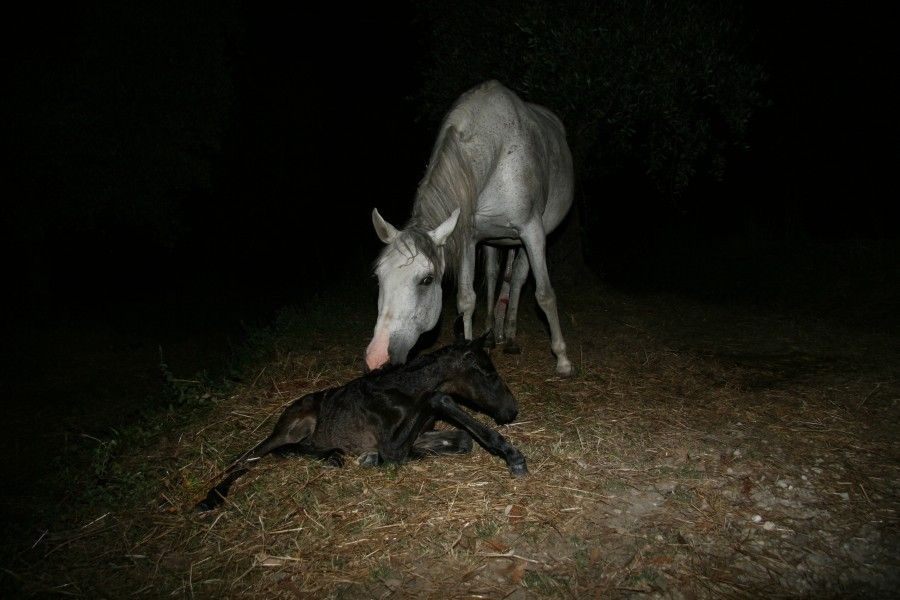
177 172
150 146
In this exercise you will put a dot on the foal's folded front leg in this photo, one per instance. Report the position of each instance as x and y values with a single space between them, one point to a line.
396 441
489 439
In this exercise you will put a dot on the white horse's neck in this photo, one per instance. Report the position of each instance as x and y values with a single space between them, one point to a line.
448 184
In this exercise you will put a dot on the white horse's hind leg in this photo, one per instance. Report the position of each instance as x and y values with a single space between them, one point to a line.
535 243
465 292
491 268
503 299
517 280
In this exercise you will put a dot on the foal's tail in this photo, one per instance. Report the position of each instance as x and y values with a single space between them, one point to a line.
216 496
296 423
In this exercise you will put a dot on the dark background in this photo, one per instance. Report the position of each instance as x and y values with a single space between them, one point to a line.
170 144
176 170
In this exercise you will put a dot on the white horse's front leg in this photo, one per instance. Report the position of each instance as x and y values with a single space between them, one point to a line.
535 243
465 292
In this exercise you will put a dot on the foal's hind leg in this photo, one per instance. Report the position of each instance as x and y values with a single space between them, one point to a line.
442 442
295 424
428 443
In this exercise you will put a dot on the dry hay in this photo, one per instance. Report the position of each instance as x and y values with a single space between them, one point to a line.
698 452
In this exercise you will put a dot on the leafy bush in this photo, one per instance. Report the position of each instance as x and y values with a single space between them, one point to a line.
664 89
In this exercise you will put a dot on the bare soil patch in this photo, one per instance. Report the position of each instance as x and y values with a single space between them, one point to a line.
700 451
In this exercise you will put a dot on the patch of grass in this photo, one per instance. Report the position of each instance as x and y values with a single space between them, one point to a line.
583 558
683 494
615 486
383 572
546 585
647 575
92 474
391 470
487 528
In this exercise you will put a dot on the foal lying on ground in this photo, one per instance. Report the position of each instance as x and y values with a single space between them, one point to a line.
387 414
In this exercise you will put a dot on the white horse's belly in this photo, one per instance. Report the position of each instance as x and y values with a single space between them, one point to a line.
553 217
489 228
506 242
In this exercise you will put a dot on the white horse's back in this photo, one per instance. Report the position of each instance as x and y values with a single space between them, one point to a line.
519 157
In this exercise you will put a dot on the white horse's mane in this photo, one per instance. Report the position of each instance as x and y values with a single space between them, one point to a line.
448 184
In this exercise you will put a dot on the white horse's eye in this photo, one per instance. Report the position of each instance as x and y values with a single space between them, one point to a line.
427 280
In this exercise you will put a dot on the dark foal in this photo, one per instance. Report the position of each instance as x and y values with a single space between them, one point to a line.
387 416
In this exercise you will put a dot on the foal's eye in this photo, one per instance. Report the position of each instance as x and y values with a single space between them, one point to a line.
427 280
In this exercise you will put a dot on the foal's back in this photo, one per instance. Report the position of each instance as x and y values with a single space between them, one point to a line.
359 416
356 417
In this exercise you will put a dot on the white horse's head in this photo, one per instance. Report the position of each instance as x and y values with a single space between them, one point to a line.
409 273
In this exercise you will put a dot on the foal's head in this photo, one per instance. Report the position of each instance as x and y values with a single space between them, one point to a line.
409 270
472 378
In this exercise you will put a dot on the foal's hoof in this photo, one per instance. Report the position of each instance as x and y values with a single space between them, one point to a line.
518 469
211 502
334 460
465 443
369 459
511 347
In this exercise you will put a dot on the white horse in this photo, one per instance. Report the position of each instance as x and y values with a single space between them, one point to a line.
500 175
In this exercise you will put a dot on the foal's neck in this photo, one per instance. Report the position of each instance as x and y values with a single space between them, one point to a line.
422 375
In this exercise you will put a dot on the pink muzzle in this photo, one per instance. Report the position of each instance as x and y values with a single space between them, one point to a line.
377 351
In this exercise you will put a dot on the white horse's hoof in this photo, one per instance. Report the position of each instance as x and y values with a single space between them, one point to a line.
511 347
564 368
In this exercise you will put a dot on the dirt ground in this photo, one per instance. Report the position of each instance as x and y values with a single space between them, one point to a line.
700 451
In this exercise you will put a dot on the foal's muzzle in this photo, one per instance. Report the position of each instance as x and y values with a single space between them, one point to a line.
509 409
506 416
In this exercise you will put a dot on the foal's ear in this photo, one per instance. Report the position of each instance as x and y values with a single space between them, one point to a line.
386 232
480 342
440 233
459 332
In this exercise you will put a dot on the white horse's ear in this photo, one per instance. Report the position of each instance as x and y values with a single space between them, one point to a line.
440 233
386 232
